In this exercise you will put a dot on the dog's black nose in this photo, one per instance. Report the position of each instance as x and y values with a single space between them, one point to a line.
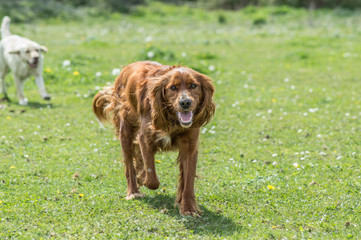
185 104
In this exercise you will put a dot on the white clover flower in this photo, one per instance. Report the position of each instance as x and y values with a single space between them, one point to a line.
98 74
312 110
346 55
274 163
299 130
184 54
296 165
212 131
286 80
97 88
322 153
115 71
66 63
211 68
245 85
274 155
150 54
292 87
339 157
148 39
319 135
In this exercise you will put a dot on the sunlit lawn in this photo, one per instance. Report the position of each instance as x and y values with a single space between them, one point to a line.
281 158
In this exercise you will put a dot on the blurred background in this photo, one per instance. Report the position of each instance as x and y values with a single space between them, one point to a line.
27 10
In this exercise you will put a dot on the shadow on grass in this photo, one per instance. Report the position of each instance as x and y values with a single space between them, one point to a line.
6 100
208 223
40 105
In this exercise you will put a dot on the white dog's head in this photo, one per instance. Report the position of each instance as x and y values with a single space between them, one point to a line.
30 52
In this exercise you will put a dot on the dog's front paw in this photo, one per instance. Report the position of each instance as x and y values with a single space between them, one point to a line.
134 195
47 97
189 209
23 102
151 182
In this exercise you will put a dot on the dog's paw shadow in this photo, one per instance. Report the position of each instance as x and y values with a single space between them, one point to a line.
209 222
39 105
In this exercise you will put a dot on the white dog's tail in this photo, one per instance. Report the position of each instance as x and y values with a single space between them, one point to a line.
5 27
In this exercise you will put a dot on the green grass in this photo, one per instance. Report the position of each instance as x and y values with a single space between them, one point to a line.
288 116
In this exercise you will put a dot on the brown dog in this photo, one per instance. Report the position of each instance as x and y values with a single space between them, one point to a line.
157 107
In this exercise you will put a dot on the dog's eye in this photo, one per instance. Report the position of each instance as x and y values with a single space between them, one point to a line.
173 88
193 86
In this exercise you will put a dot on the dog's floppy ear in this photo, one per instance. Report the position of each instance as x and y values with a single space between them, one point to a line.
158 103
44 49
207 107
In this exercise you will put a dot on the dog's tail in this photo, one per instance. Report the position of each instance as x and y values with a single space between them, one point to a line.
5 27
103 103
107 106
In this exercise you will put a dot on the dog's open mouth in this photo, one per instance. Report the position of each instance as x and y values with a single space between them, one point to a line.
185 118
33 65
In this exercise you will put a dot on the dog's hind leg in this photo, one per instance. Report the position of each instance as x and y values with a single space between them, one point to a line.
127 135
20 91
151 180
139 164
3 71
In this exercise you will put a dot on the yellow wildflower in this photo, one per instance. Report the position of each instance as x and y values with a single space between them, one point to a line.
157 161
12 167
8 117
76 73
81 195
274 100
48 70
270 187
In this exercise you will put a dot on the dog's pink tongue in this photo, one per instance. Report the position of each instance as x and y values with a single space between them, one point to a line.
186 116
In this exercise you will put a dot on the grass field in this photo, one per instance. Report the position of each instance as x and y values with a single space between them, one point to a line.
280 159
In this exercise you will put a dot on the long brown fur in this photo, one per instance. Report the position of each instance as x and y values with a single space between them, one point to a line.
146 107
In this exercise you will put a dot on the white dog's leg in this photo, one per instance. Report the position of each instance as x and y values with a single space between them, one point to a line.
2 79
3 71
40 82
20 91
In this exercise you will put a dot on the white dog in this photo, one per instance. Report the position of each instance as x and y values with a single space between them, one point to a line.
24 58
